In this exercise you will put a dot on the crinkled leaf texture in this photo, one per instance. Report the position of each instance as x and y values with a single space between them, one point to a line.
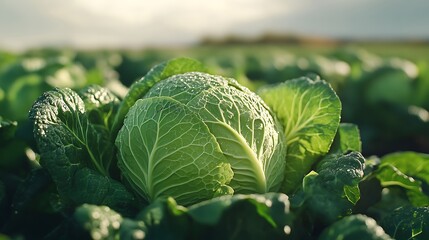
310 113
195 136
100 105
76 152
156 74
331 191
355 227
164 152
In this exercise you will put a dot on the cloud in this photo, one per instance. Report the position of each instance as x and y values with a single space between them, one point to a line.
98 23
125 22
354 19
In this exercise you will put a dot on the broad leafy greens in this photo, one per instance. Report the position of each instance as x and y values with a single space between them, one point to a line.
250 216
201 120
76 151
190 155
395 171
310 113
407 223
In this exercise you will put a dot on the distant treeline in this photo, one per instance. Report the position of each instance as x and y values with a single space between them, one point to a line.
278 38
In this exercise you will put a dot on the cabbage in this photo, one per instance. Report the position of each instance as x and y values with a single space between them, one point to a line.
183 133
195 136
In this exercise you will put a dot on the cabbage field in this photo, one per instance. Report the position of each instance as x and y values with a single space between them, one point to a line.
215 142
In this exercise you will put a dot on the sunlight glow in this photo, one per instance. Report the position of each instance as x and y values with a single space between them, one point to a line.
131 23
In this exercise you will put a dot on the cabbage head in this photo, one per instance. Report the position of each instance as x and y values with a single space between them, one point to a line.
194 136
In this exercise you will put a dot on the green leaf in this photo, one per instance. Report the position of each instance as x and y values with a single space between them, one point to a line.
352 193
100 104
347 139
355 227
88 186
166 150
253 216
59 120
395 170
165 219
332 190
407 223
156 74
401 160
388 84
248 135
76 152
310 113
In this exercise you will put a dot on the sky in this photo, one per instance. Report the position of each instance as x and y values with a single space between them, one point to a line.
139 23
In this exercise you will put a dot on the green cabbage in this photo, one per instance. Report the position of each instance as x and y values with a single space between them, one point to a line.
195 136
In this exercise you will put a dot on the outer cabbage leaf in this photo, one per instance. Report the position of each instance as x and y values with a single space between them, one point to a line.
248 135
100 105
60 121
407 223
347 139
310 113
253 216
355 227
166 150
408 170
76 152
156 74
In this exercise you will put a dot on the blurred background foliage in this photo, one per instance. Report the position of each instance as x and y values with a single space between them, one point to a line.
384 88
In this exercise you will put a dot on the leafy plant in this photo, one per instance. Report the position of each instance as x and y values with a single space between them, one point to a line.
407 223
186 154
252 216
310 113
220 131
75 147
354 227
